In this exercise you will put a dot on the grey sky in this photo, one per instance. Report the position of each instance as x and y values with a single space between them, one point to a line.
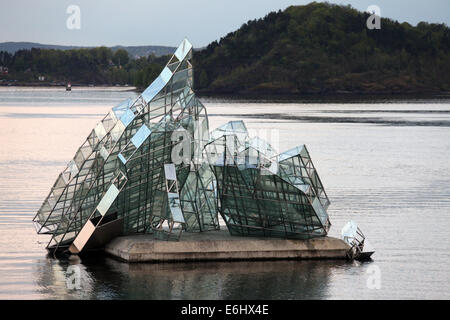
167 22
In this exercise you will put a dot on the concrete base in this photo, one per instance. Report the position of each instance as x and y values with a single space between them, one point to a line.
220 245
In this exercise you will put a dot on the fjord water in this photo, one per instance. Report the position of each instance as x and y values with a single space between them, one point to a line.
384 163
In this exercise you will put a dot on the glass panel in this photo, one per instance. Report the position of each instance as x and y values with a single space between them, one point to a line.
169 170
140 136
104 153
183 50
122 158
153 89
166 74
127 117
73 167
100 131
175 207
107 199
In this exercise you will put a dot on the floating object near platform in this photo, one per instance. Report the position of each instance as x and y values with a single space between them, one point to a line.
353 236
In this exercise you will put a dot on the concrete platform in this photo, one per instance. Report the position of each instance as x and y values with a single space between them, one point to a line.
220 245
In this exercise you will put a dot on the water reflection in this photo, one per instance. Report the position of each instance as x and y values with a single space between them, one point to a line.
52 280
344 120
106 278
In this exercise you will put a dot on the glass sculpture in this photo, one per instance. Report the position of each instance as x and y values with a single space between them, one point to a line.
152 166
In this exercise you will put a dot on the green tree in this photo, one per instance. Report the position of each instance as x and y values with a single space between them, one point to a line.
203 80
121 57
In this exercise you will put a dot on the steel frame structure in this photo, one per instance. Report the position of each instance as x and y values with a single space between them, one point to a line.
264 194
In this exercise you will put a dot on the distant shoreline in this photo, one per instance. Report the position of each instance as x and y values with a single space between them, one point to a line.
59 84
273 97
337 95
63 86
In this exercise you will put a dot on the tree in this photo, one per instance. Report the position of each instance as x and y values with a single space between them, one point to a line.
203 80
120 57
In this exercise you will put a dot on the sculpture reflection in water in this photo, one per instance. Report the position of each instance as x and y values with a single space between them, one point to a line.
152 166
107 278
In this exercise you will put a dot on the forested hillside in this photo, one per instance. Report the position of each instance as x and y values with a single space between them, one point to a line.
80 66
325 48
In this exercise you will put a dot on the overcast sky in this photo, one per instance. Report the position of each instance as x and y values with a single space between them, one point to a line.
167 22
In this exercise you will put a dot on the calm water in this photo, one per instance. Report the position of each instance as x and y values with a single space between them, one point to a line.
384 164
